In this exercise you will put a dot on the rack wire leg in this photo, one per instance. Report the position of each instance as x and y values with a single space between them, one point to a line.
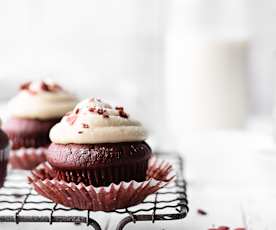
124 222
94 224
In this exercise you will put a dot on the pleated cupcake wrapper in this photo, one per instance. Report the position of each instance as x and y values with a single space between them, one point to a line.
27 158
122 195
103 176
4 156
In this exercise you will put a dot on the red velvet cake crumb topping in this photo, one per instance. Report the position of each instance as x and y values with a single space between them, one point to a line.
100 111
223 228
25 86
42 85
45 87
86 126
119 108
92 110
123 114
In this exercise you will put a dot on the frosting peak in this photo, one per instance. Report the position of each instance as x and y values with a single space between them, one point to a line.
42 99
93 121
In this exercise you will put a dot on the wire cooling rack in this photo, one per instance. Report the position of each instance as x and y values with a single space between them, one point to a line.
20 203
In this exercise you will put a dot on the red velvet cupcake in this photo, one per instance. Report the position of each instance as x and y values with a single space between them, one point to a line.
38 106
99 161
4 153
98 145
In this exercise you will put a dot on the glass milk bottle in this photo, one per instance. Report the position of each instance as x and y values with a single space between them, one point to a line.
206 66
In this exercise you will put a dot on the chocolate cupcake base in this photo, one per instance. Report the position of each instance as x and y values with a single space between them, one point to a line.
105 176
27 158
100 164
28 133
80 196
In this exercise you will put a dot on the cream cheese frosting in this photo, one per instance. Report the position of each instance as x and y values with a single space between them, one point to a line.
94 121
41 100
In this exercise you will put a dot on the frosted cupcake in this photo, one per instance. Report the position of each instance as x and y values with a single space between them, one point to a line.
97 145
33 111
4 153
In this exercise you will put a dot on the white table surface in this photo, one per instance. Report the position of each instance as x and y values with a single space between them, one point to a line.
231 175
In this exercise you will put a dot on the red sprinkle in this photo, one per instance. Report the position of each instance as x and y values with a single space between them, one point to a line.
45 86
91 110
201 212
223 228
25 86
123 114
119 108
239 229
86 126
100 111
71 119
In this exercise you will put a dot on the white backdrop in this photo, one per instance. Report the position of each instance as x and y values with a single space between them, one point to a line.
119 50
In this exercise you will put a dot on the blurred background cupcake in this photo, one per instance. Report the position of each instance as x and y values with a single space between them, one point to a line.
4 153
32 112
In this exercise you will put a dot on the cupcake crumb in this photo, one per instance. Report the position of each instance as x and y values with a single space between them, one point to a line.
201 212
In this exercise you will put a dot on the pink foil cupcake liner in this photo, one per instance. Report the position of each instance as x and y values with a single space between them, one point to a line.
114 196
27 158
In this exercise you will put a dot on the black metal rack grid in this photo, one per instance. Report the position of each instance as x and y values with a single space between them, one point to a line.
20 203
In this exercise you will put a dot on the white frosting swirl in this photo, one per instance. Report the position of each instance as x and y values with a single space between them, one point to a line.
41 100
94 121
